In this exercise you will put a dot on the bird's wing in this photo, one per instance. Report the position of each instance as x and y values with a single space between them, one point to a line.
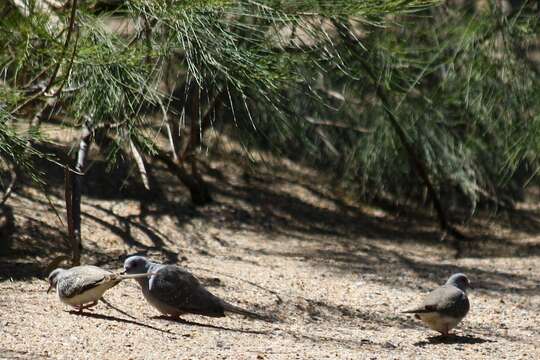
176 287
446 300
79 279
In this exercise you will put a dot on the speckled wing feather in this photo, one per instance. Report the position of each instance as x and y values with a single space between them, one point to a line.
81 278
176 287
446 300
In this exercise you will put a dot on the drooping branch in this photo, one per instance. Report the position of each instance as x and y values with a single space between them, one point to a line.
414 159
197 128
337 124
71 29
46 8
183 156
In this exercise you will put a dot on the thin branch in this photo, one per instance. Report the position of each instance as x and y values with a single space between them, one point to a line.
171 140
66 44
337 125
58 63
40 74
70 65
140 164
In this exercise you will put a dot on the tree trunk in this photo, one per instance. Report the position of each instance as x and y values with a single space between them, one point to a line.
198 189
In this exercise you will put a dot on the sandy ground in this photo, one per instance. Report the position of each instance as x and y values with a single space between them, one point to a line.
335 274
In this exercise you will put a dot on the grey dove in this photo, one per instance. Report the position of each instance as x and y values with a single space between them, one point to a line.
174 291
446 306
82 286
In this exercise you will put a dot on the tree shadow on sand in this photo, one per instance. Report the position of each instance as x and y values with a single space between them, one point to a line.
117 319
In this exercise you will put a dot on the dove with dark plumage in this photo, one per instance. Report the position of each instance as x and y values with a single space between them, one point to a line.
446 306
82 286
174 291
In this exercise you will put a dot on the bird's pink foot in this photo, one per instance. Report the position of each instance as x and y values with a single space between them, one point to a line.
88 306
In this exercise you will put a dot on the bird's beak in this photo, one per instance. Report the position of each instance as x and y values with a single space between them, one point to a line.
49 289
123 272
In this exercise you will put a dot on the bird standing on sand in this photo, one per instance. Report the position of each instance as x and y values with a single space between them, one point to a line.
445 306
82 286
174 291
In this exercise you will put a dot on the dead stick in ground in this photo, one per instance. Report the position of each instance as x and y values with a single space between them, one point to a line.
76 190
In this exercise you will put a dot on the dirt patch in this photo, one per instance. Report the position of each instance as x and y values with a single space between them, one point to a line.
337 275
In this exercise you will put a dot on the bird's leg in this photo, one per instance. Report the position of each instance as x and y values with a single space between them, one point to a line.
446 331
92 304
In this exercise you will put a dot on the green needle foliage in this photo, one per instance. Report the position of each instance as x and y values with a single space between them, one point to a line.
461 84
279 76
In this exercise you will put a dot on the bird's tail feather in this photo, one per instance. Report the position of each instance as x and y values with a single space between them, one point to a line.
238 310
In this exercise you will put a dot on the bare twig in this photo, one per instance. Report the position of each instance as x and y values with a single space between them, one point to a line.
336 125
171 140
40 74
168 126
140 164
28 101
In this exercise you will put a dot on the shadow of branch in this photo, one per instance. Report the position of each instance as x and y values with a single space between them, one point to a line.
114 318
216 327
